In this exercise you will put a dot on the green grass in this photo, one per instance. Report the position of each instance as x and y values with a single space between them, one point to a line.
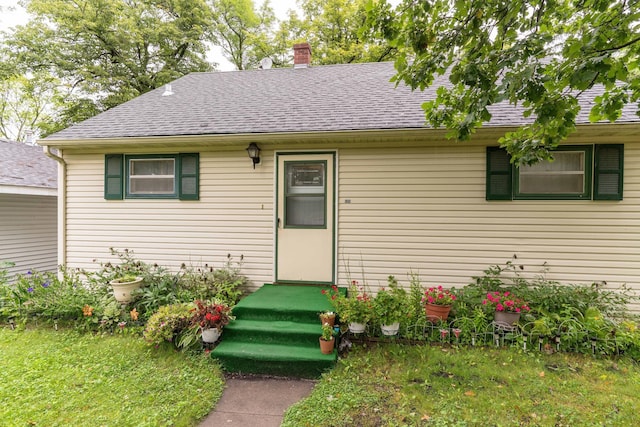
64 378
397 385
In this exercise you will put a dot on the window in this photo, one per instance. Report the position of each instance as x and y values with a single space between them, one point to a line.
568 176
152 176
578 172
305 195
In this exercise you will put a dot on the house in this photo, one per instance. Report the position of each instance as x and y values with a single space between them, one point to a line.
348 184
28 208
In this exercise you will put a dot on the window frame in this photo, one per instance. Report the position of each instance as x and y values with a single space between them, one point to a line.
127 174
605 161
186 176
587 179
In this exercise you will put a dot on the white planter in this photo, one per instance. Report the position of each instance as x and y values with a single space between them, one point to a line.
357 328
210 335
122 290
391 329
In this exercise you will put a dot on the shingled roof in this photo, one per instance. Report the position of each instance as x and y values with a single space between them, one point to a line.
23 165
314 99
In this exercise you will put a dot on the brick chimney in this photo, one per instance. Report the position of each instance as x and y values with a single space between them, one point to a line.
301 55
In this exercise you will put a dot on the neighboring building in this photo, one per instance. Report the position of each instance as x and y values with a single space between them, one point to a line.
28 208
350 185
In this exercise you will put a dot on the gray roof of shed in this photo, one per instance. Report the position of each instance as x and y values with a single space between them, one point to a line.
26 166
315 99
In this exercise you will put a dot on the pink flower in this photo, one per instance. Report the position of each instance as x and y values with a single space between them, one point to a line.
499 307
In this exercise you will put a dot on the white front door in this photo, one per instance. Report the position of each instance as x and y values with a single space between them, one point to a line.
306 218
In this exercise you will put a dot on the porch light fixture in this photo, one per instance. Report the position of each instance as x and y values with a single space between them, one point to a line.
254 153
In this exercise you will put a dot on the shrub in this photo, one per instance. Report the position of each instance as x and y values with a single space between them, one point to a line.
4 272
128 265
225 284
167 323
545 297
44 297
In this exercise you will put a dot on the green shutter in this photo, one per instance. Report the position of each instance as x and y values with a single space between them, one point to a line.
189 176
113 176
499 174
608 167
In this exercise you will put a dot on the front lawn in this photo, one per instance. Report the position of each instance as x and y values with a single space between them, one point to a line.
397 385
65 378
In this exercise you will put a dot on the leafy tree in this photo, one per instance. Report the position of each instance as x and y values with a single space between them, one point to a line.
334 30
26 105
108 51
540 54
243 32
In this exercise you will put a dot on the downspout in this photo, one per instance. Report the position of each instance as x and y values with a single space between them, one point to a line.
62 205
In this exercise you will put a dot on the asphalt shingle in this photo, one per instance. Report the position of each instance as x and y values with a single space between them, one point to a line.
315 99
26 165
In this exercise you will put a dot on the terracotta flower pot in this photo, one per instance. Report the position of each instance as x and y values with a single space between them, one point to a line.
436 313
331 320
326 347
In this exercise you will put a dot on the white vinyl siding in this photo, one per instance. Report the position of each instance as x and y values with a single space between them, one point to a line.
233 216
400 209
28 232
424 210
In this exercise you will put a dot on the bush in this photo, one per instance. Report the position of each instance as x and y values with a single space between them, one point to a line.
224 284
42 296
545 297
167 323
85 299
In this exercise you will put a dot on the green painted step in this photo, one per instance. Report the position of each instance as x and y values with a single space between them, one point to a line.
276 332
274 359
286 303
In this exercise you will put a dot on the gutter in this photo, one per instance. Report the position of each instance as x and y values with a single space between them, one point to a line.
62 205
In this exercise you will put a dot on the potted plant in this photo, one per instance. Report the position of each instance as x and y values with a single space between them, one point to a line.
354 309
390 307
327 340
209 318
123 286
328 317
507 307
438 302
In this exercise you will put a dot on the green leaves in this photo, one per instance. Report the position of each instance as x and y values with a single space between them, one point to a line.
105 52
538 54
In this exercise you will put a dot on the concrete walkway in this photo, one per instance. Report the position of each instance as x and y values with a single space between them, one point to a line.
256 401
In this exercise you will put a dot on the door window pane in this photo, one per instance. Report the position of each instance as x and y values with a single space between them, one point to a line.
305 194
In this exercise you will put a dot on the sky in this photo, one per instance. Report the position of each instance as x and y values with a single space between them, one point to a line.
12 14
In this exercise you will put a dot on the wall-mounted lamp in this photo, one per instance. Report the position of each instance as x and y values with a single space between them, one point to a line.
254 153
